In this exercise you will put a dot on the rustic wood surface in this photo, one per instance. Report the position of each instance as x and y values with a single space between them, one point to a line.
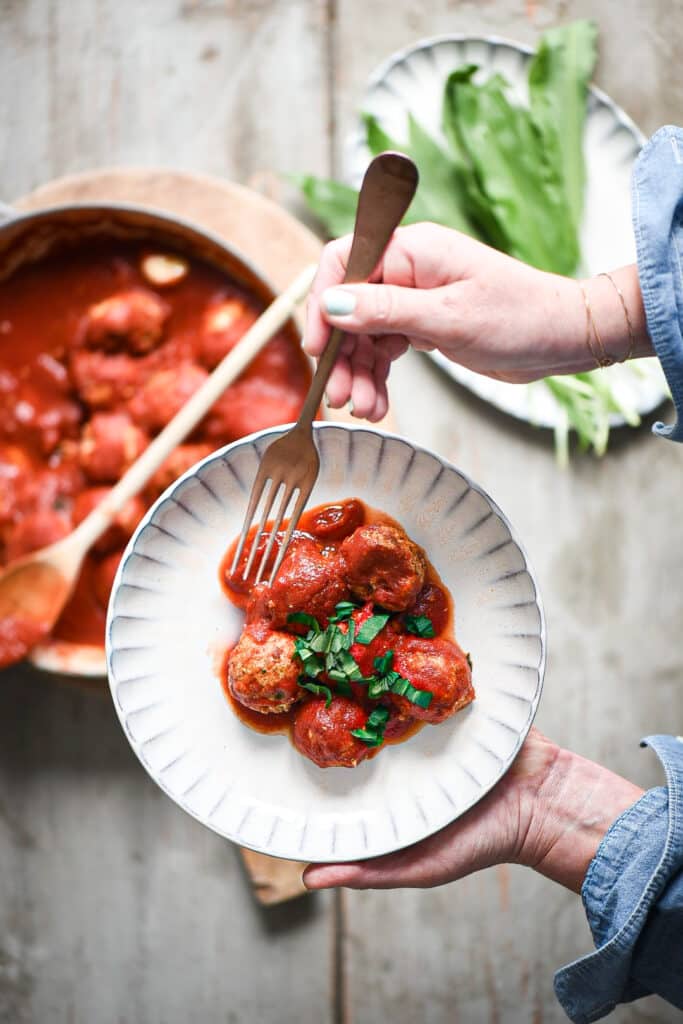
114 905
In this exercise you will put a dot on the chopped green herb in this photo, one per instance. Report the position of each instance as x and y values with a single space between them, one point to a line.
371 628
317 688
420 625
404 688
372 734
383 664
377 687
304 619
343 611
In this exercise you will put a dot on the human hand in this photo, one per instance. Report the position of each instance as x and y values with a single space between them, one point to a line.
438 289
549 812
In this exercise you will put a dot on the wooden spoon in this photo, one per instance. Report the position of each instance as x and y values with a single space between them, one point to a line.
34 589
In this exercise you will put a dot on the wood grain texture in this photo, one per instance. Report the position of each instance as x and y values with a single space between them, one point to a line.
605 544
115 906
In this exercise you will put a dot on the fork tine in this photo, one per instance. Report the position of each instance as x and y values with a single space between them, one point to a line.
268 502
257 490
293 520
277 523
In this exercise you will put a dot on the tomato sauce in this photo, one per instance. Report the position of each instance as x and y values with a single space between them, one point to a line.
87 336
327 526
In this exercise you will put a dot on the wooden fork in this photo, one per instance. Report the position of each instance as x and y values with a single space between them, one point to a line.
291 464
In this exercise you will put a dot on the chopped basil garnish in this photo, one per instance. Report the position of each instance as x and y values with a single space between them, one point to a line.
317 688
304 619
383 664
420 625
327 650
372 734
343 610
371 628
404 688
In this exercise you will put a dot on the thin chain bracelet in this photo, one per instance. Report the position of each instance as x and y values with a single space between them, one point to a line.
601 357
631 332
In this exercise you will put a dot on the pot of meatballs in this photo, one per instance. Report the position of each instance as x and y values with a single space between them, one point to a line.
352 646
111 317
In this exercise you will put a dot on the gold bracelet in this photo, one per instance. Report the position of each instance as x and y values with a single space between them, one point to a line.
601 357
631 332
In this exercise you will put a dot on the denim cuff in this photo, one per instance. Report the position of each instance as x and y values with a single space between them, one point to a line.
657 195
637 860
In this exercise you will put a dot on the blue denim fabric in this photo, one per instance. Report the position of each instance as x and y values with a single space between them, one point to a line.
658 226
633 896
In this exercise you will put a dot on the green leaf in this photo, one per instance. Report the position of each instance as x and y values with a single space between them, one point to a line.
371 628
404 688
524 193
378 687
439 195
383 664
332 203
558 85
373 732
343 610
303 619
377 717
317 688
420 625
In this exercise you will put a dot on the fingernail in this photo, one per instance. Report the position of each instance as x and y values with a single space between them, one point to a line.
338 301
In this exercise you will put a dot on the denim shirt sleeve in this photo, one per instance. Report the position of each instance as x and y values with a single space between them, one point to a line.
633 896
658 227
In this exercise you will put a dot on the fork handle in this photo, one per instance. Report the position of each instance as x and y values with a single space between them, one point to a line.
385 195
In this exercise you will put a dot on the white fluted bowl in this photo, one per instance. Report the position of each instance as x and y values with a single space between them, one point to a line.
169 621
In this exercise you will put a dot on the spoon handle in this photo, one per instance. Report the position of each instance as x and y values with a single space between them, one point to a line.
385 195
132 482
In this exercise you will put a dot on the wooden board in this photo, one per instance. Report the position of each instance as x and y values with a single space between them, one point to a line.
114 904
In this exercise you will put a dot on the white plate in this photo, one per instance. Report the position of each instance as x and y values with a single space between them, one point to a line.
413 80
169 620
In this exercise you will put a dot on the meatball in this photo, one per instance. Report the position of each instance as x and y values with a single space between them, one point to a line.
385 640
262 672
177 463
433 603
132 319
105 381
439 666
323 734
36 531
164 394
124 524
103 577
37 412
223 324
249 405
308 581
383 565
109 444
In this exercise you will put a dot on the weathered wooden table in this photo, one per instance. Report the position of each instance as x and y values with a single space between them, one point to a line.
114 905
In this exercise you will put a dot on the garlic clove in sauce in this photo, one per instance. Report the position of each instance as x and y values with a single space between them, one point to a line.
162 270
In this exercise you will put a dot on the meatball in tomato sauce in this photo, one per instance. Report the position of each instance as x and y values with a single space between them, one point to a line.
440 667
132 319
323 733
308 580
262 672
109 444
384 565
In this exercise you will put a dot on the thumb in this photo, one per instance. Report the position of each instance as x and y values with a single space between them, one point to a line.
385 309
